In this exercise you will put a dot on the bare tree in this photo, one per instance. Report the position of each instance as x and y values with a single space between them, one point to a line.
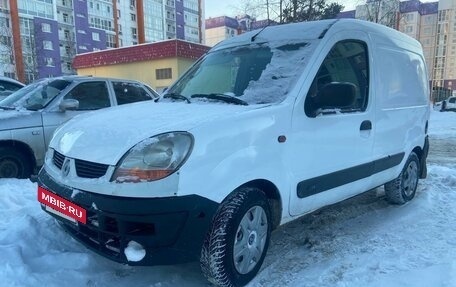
386 12
7 61
29 50
69 52
290 10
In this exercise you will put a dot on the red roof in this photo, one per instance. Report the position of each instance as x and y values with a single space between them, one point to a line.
143 52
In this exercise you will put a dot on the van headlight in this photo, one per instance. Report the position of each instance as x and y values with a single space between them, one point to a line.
154 158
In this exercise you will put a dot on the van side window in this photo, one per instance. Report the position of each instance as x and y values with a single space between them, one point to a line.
342 82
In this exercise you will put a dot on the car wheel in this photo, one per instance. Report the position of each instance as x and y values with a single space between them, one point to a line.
443 107
14 164
238 239
403 188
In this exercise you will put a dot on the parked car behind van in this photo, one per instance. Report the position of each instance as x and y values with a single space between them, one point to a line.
8 86
29 116
448 104
268 126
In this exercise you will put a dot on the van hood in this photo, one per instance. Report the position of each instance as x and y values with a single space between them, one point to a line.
105 136
19 119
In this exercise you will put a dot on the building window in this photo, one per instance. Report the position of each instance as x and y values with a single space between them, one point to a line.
134 33
95 36
66 34
68 50
132 3
409 17
118 14
133 17
409 29
49 62
46 27
163 74
47 45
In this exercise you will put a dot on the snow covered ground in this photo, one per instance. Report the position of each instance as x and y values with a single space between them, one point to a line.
360 242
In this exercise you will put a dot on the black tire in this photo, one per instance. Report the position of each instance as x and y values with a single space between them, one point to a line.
14 164
443 107
227 233
403 188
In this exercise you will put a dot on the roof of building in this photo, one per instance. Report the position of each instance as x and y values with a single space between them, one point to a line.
429 8
143 52
346 14
222 21
417 6
263 23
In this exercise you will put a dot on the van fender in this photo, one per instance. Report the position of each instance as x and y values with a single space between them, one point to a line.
216 183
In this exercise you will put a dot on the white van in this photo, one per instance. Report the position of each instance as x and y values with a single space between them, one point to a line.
268 126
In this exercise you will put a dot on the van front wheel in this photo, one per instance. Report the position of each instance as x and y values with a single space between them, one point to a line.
403 188
238 239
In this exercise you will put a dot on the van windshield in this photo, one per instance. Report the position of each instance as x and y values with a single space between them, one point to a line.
250 74
36 95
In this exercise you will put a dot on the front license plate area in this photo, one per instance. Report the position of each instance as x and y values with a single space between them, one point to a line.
61 207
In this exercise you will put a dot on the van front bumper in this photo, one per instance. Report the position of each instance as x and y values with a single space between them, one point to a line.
170 229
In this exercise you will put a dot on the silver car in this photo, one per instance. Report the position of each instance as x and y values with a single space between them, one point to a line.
29 116
8 86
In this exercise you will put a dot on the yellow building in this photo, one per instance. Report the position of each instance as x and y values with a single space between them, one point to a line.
156 64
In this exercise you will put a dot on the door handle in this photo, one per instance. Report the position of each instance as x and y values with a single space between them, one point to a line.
366 126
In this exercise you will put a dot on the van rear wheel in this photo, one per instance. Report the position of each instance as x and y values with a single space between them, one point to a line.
236 244
403 188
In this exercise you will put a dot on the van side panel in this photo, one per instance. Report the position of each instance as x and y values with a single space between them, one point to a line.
402 101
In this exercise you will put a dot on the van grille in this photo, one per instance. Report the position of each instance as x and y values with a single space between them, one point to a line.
89 169
58 159
85 169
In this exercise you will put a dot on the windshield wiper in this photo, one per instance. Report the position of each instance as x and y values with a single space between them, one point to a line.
177 97
7 108
222 97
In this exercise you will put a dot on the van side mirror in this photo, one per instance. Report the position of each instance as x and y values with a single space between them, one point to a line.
69 104
336 95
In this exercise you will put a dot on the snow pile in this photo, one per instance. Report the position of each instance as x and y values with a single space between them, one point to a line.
360 242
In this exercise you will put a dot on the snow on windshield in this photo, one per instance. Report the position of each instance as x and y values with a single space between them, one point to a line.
36 95
287 64
256 73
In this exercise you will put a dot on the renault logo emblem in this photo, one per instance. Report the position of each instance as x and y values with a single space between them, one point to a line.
66 167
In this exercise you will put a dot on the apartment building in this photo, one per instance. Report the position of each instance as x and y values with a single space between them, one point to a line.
39 38
224 27
432 23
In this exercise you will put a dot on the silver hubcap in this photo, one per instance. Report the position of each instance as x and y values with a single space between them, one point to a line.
410 178
250 239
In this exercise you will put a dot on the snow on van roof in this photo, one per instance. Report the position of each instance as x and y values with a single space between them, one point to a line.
286 32
312 30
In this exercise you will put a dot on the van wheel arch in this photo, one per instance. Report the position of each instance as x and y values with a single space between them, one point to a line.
273 195
25 151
